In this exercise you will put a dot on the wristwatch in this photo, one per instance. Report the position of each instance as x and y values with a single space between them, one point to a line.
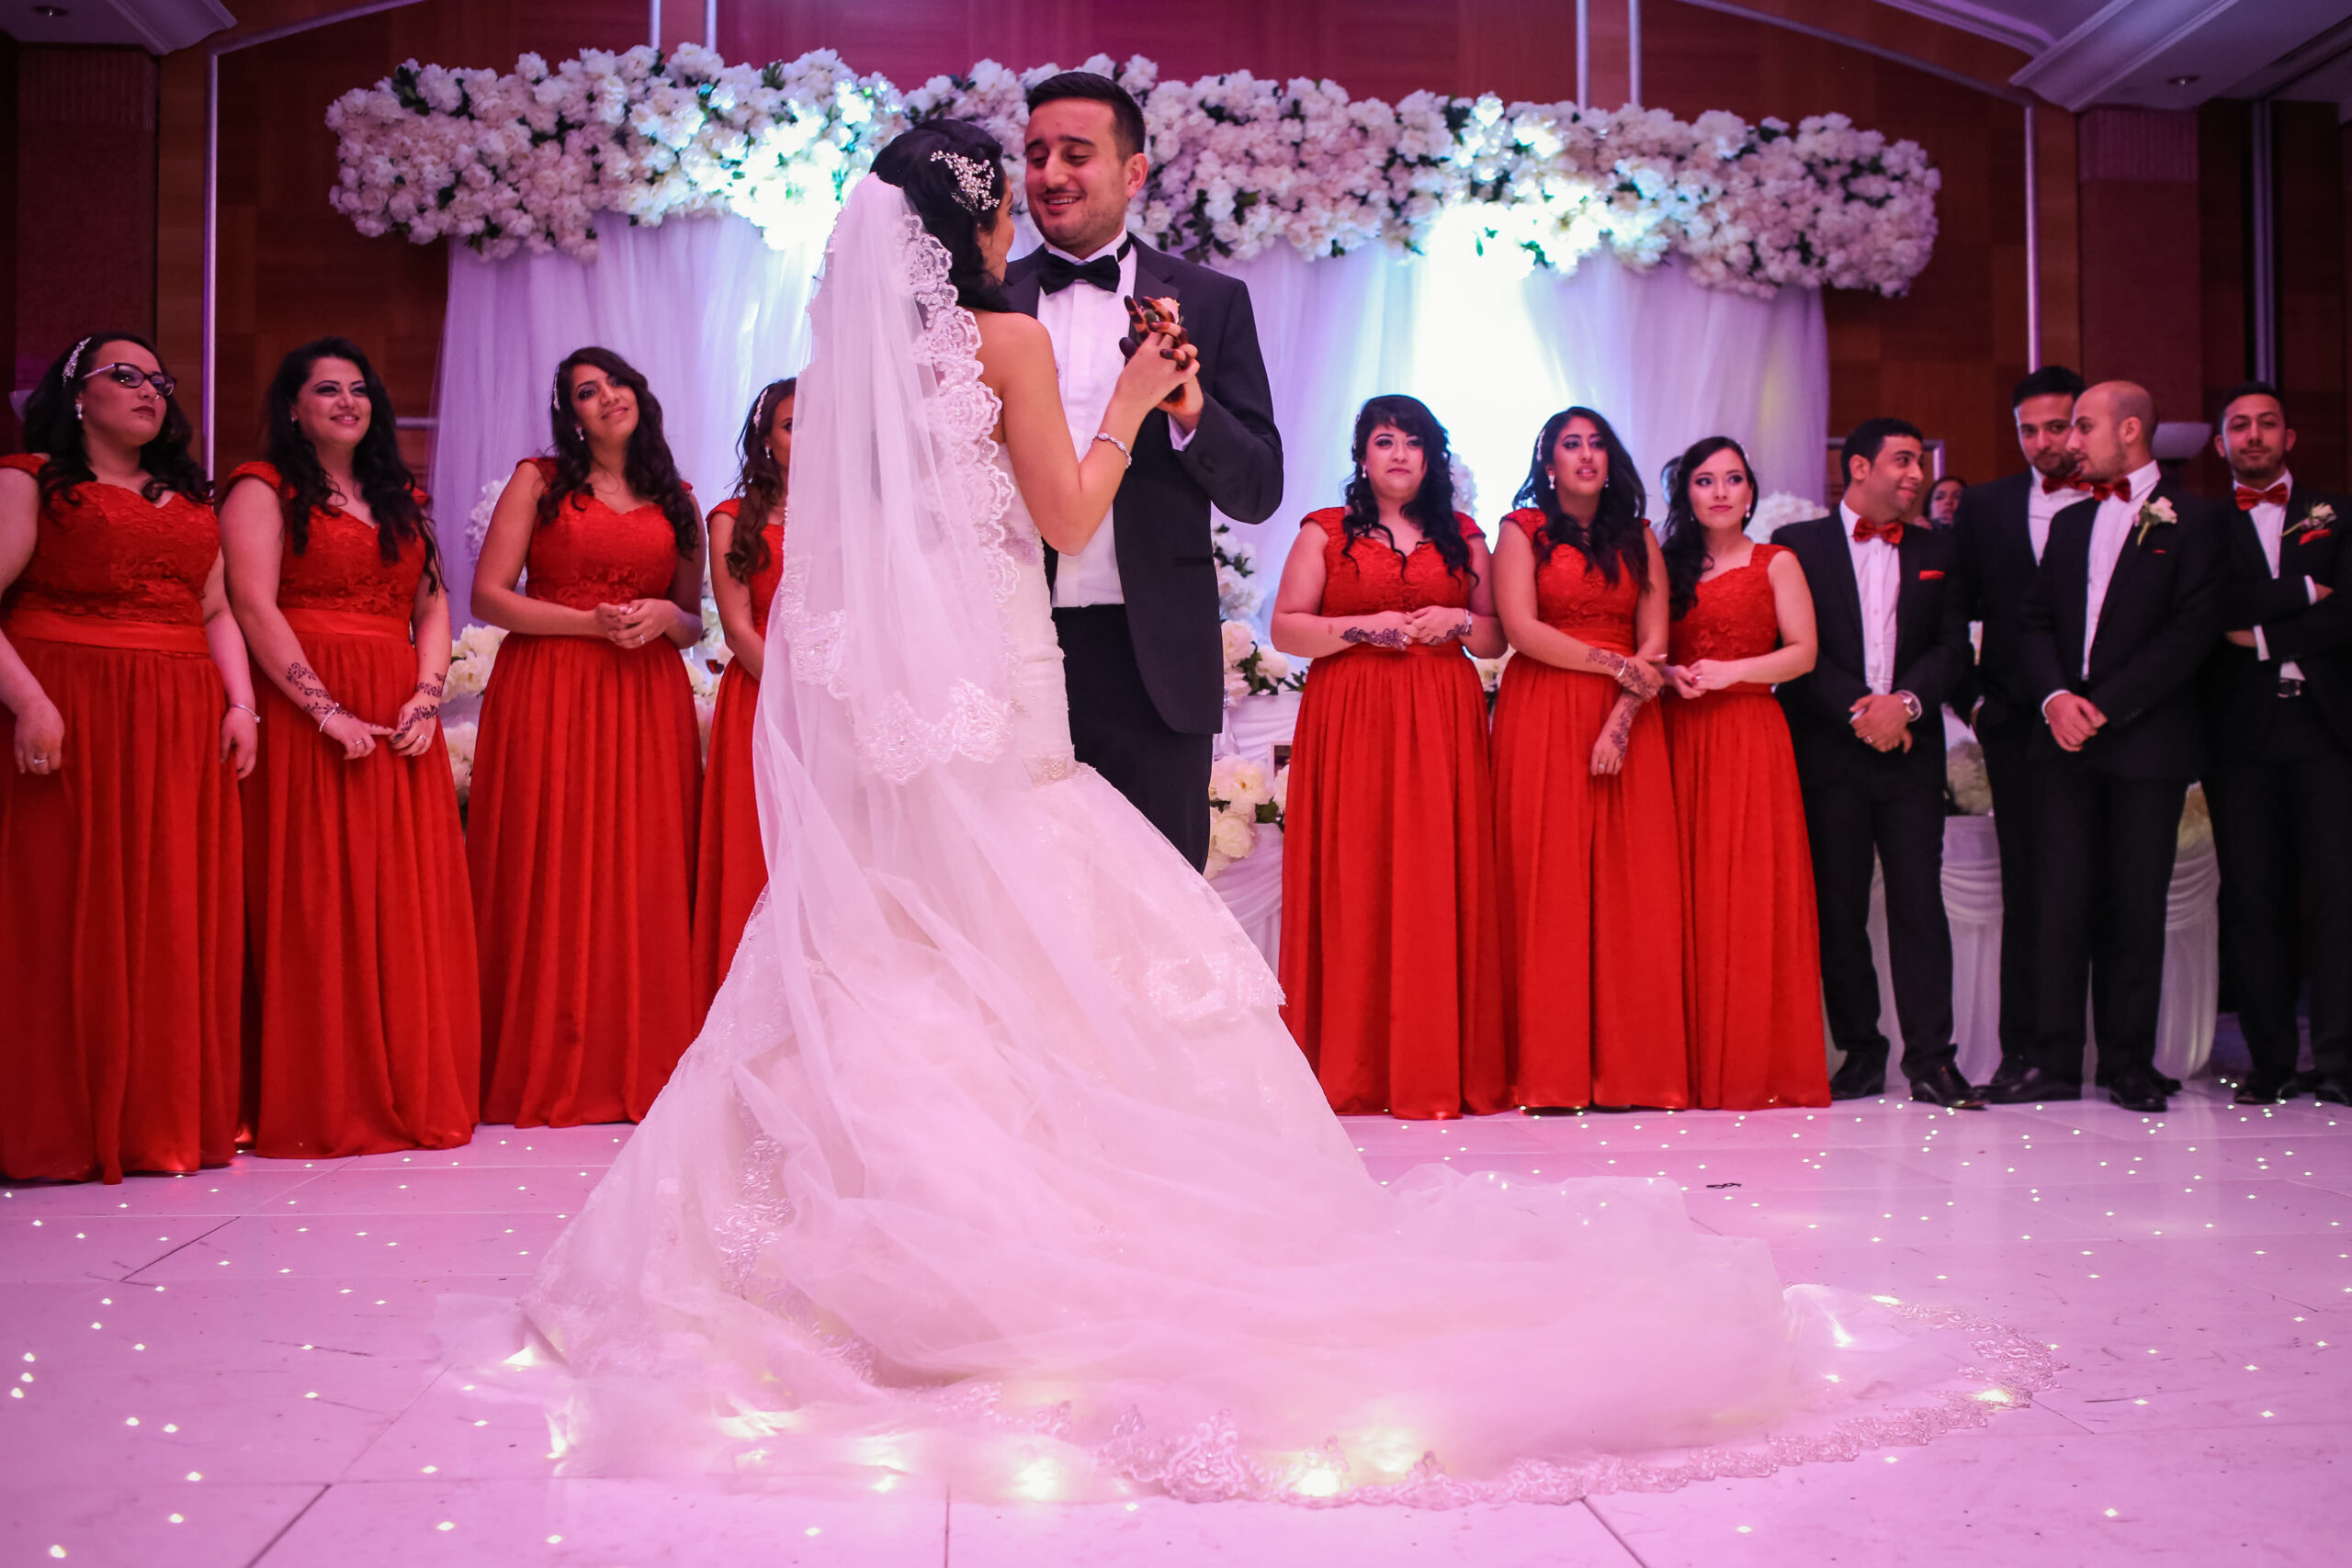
1910 706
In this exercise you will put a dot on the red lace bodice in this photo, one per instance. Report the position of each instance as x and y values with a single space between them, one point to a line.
590 554
1574 597
1372 577
764 582
111 554
1734 617
342 565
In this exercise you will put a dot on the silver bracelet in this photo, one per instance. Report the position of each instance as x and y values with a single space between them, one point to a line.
240 707
333 709
1106 435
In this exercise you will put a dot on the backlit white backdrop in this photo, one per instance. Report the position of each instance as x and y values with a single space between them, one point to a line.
710 314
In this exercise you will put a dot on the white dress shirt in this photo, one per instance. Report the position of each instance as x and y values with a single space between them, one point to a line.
1877 578
2269 520
2114 525
2040 507
1086 324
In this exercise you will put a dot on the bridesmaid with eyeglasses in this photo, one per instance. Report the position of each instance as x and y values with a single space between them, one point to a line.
130 718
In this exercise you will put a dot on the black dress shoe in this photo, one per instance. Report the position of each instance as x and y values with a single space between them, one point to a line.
2034 1085
2267 1086
2332 1089
2143 1092
2172 1085
1860 1078
2008 1075
1946 1087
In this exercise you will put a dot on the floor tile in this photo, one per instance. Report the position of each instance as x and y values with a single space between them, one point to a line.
478 1189
247 1187
591 1147
93 1248
190 1525
1157 1533
362 1246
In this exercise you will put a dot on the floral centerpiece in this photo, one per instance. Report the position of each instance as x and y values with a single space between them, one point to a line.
528 158
1244 795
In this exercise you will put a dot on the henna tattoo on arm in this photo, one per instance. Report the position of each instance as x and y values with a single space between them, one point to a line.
1371 637
1621 721
311 691
431 685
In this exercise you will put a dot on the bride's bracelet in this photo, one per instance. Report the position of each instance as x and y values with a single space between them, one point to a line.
1123 452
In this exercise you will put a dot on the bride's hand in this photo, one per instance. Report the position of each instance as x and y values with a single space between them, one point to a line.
1160 369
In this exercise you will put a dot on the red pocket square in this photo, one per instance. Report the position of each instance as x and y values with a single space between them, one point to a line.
2316 534
1932 576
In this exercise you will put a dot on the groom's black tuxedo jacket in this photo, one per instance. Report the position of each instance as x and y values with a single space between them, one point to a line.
2158 624
1930 652
1160 520
2317 637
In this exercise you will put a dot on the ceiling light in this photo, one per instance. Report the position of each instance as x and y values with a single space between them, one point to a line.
2180 80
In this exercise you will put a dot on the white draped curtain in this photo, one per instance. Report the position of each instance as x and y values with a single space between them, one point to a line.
710 314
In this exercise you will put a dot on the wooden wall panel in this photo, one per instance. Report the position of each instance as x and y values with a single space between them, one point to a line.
2312 275
1945 355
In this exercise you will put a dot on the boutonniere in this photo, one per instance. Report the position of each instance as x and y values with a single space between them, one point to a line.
2154 512
2317 520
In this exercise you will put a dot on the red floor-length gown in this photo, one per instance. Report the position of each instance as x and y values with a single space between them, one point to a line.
1590 868
121 906
581 834
733 865
1390 956
1754 964
364 1021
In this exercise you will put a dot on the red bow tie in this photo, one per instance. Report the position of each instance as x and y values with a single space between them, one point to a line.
2120 490
2051 487
1865 531
2250 499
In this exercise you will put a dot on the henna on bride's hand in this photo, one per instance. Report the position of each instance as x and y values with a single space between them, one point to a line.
1376 639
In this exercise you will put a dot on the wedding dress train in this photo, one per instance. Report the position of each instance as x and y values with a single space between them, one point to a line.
994 1161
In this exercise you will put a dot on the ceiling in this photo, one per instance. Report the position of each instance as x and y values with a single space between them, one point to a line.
2170 54
158 27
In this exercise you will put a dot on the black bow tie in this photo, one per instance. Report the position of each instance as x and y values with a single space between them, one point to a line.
1055 273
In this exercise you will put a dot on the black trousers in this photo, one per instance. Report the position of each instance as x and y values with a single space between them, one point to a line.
2105 847
2008 767
2283 826
1884 808
1116 730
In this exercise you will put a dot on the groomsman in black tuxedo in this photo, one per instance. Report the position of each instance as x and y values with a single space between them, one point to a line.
2278 698
1997 540
1136 610
1867 722
2124 612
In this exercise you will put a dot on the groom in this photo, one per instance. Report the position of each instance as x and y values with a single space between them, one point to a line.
1137 609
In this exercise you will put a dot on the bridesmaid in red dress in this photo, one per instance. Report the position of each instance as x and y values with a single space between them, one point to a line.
128 700
364 1019
1586 851
747 540
582 829
1743 621
1390 956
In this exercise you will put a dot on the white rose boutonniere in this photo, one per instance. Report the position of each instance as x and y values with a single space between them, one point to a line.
2318 520
2154 512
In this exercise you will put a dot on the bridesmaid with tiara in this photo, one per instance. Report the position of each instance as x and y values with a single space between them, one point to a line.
1390 958
582 829
1586 852
1743 622
747 541
363 1018
129 716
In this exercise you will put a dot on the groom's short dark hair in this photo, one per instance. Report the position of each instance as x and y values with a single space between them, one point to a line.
1126 116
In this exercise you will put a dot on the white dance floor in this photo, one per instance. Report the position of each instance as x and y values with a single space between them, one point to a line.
238 1368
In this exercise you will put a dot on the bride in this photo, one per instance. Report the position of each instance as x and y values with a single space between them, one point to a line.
994 1161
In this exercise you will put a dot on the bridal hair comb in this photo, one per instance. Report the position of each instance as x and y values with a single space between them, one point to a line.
973 182
73 360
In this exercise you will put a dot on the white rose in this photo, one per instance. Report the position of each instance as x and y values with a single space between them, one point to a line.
1231 837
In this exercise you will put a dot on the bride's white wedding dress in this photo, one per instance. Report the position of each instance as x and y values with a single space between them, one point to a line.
994 1159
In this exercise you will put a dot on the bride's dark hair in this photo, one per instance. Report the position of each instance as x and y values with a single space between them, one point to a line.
935 164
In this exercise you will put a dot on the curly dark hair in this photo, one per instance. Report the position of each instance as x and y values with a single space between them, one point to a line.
1684 544
53 429
917 161
1432 508
1616 536
761 483
386 483
648 467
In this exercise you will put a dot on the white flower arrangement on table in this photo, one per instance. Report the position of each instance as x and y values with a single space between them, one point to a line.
1244 795
460 738
1254 669
472 653
1779 509
1490 673
1964 777
528 158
